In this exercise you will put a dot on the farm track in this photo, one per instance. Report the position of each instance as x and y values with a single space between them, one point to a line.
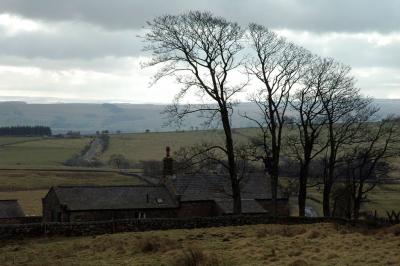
95 149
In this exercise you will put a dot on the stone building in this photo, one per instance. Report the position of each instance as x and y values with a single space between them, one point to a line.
10 210
96 203
169 196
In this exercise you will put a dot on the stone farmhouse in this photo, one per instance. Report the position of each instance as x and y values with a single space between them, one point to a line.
10 209
171 196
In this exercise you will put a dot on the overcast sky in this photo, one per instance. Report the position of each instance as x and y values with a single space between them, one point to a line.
88 50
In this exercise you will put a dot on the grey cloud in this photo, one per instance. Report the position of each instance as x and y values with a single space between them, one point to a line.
312 15
355 52
72 40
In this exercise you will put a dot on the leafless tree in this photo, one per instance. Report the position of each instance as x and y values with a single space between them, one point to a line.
201 51
366 162
346 111
202 158
310 121
277 65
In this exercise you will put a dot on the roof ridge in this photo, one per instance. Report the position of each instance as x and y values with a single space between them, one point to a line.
105 186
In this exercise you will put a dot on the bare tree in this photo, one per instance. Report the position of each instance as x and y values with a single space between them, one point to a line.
277 65
345 111
201 51
366 162
310 121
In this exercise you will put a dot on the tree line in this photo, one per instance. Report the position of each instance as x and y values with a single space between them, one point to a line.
334 126
25 131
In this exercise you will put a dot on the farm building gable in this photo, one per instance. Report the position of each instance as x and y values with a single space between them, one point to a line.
10 209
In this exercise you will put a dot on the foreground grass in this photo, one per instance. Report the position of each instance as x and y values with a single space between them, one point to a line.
318 244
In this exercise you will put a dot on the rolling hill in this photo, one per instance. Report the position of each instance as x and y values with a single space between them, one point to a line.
88 118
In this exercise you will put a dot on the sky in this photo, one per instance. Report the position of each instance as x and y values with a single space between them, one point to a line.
91 50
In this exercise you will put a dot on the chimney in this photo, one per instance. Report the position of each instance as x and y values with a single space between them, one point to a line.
168 172
168 164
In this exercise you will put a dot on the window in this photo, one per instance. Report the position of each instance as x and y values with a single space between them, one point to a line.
140 215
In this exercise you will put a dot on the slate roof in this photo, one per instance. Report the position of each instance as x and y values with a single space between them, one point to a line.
194 188
248 206
10 209
114 197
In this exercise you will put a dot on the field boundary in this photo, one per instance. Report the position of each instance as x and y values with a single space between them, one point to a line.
94 170
15 231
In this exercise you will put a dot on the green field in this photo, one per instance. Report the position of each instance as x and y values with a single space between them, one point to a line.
17 180
384 197
292 245
36 152
31 155
151 146
4 141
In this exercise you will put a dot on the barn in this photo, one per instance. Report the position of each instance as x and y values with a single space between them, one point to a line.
10 210
96 203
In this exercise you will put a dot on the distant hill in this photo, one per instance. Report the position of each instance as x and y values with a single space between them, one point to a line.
88 117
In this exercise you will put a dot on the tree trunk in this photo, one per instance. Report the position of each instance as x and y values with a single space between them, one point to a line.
237 202
356 210
274 174
326 199
274 193
328 182
303 188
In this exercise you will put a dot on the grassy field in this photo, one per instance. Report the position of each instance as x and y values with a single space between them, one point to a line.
151 146
384 197
34 180
34 152
295 245
30 200
14 140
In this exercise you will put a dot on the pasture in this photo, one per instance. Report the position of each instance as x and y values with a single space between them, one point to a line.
38 152
273 244
29 156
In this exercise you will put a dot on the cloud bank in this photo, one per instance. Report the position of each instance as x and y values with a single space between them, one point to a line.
91 50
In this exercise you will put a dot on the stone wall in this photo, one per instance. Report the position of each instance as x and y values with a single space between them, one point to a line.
105 215
21 220
282 204
206 208
135 225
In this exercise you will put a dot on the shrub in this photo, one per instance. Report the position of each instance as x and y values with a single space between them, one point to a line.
263 232
299 262
314 234
77 161
193 256
118 161
106 141
152 244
